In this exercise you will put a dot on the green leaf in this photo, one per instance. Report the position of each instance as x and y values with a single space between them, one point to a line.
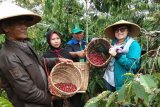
94 102
122 93
157 76
91 87
111 99
148 81
125 93
5 103
140 93
100 82
156 100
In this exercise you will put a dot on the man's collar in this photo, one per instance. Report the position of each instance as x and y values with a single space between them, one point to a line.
19 43
75 41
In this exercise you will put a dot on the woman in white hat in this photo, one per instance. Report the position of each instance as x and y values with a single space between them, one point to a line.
24 77
125 52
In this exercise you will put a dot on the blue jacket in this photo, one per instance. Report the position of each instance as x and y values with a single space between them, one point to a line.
74 46
128 62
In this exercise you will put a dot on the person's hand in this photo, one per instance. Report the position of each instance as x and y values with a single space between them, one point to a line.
68 61
55 98
112 51
81 53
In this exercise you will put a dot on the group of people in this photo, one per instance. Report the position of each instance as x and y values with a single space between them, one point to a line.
74 51
23 73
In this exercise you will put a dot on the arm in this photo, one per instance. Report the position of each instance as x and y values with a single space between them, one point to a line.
54 61
51 62
131 59
22 84
80 54
69 48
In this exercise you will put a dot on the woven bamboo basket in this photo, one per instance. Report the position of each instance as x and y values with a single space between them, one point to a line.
64 73
97 52
84 68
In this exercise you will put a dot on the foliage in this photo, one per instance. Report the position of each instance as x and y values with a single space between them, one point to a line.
150 61
4 100
96 83
38 39
141 12
3 93
143 90
5 103
59 15
94 102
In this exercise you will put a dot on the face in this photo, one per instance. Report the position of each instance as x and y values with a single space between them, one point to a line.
79 36
16 30
55 40
121 32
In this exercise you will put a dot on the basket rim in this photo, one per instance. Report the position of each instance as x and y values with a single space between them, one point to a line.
87 52
66 93
96 40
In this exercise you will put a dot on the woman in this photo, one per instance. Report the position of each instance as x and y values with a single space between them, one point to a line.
56 51
125 52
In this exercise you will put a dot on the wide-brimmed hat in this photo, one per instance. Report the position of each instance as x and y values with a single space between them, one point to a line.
9 10
134 29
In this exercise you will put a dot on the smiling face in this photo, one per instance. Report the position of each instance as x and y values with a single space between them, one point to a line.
15 29
55 40
121 32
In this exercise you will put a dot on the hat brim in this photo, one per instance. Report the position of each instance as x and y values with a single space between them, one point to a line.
78 31
35 19
9 11
134 29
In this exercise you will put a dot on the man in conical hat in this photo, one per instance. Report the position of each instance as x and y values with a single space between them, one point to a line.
24 77
125 52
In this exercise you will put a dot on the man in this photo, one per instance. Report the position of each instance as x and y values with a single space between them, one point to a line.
24 77
76 43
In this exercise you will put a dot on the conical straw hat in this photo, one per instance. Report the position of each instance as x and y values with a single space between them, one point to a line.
134 29
9 10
